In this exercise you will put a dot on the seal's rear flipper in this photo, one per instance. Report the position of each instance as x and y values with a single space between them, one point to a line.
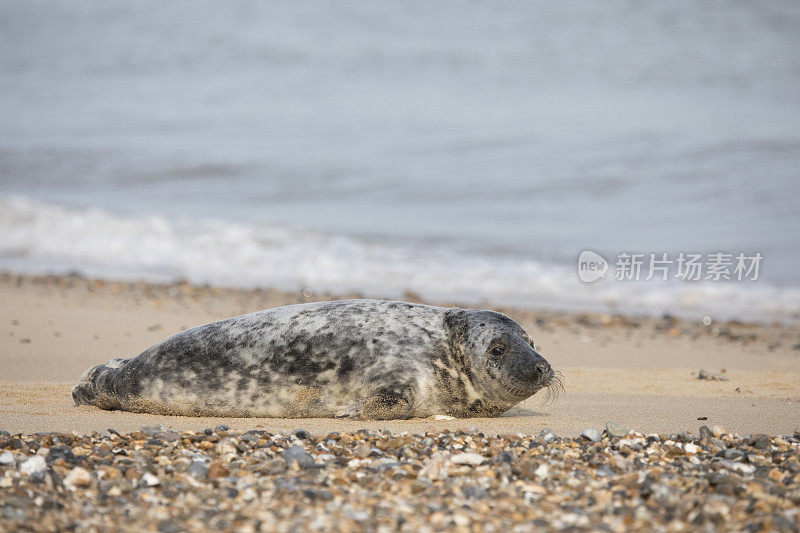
94 386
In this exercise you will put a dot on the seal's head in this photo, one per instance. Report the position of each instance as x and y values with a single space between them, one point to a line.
499 357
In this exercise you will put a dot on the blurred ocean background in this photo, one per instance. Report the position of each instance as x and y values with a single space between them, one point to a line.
462 150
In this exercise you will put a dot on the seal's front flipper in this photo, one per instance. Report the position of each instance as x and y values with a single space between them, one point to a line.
353 411
390 402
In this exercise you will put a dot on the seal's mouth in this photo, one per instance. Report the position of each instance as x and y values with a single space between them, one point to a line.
552 381
554 386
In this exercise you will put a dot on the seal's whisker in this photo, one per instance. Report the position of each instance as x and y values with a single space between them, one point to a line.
555 388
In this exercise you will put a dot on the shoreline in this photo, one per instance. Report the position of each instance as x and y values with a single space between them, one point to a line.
620 368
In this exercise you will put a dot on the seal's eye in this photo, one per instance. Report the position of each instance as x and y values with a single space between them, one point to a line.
497 351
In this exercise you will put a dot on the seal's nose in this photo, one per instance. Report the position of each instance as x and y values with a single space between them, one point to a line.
541 368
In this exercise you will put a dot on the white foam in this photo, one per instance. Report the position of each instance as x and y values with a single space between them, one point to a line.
38 237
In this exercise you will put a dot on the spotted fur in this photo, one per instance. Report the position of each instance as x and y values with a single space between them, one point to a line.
356 358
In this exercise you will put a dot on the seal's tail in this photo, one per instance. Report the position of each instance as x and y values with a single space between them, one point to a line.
95 386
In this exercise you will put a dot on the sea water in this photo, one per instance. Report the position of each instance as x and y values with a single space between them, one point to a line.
461 150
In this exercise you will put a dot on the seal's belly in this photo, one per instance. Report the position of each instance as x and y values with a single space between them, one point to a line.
241 396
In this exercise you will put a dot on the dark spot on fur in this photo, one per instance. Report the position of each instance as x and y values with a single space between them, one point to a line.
391 395
345 366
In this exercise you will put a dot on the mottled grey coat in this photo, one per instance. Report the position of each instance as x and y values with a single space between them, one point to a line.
356 358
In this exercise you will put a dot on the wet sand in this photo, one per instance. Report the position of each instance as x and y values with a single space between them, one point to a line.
639 372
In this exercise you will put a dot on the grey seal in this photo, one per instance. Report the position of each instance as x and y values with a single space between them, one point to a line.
372 359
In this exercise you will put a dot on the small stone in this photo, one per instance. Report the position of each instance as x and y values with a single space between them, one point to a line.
547 436
616 430
7 459
216 470
297 453
153 431
435 469
150 480
592 434
690 447
443 417
734 455
775 474
362 450
710 376
472 459
79 451
604 471
226 446
760 442
78 477
475 492
198 470
542 471
111 473
302 434
621 464
170 526
170 436
706 433
34 466
275 466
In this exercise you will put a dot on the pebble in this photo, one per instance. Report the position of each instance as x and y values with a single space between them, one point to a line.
78 477
33 466
7 459
198 469
592 434
298 454
547 436
150 480
711 376
217 470
302 434
226 446
616 430
475 492
435 468
691 448
472 459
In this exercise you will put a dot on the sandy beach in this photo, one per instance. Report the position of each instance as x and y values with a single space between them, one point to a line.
716 454
639 372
